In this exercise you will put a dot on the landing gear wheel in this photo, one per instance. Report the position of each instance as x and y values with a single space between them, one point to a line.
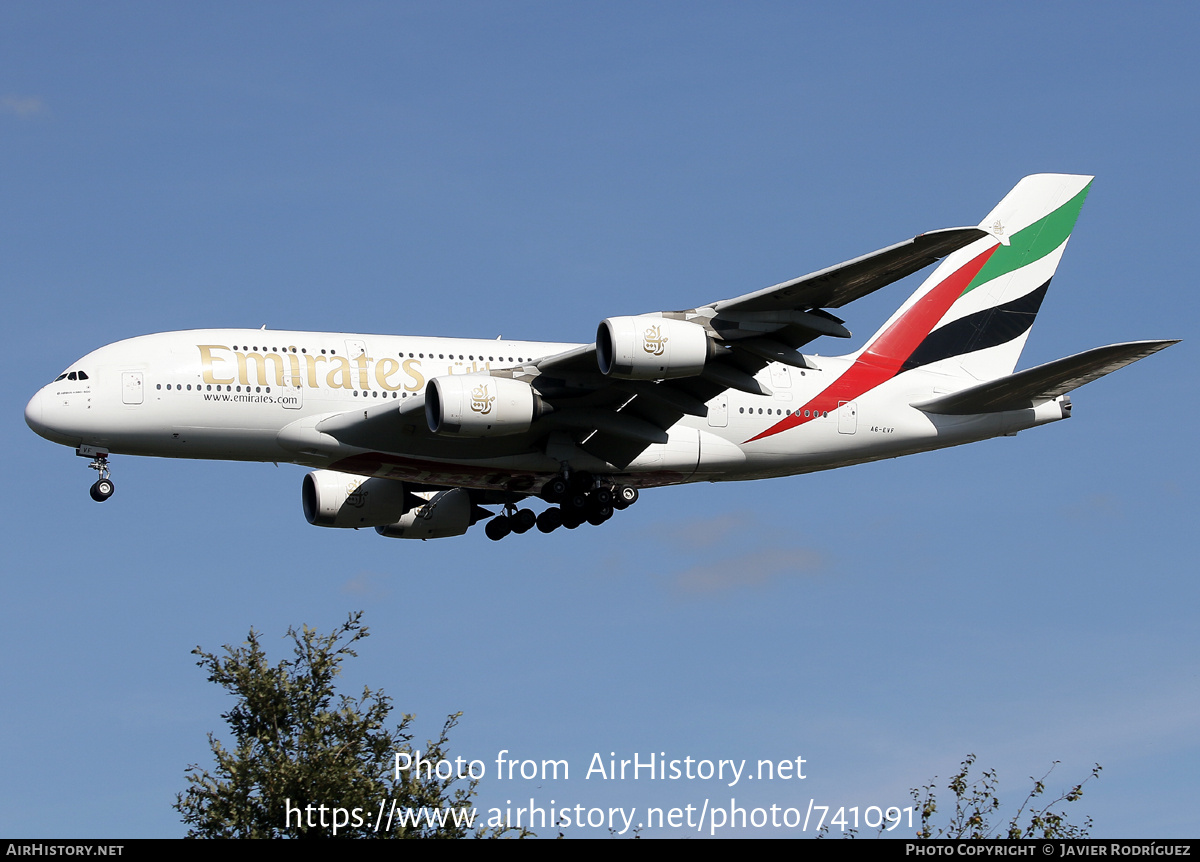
497 528
575 503
624 496
572 518
599 515
555 490
582 481
101 490
523 521
550 520
598 509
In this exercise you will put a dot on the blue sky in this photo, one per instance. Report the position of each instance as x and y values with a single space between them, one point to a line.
526 169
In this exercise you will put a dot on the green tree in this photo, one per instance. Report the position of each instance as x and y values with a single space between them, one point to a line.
296 746
976 811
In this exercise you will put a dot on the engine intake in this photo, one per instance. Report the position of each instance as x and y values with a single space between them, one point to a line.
333 499
651 348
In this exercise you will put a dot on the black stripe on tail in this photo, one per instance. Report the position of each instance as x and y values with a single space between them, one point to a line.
988 328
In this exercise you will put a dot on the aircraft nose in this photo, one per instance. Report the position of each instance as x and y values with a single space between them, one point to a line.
35 412
50 419
47 421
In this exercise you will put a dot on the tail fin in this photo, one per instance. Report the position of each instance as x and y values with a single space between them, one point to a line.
973 314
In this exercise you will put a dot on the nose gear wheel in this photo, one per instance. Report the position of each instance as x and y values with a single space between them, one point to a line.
103 487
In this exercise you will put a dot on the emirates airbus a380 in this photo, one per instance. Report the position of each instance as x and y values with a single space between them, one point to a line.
415 436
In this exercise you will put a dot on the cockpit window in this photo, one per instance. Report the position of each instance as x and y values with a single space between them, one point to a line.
62 376
72 376
83 375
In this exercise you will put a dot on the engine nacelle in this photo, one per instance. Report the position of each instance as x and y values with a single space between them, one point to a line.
333 499
651 348
476 406
448 513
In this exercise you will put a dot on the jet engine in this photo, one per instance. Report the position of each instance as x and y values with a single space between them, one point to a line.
333 499
447 513
476 406
651 348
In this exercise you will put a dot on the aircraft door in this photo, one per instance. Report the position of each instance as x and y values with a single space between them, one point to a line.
718 411
847 417
292 397
131 387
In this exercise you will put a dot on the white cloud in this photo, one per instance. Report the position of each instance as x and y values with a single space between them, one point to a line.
701 533
753 569
22 106
1094 507
369 585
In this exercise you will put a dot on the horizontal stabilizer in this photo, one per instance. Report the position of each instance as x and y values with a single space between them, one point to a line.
1045 382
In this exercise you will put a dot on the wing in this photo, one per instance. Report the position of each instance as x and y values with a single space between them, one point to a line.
747 333
614 417
795 306
838 285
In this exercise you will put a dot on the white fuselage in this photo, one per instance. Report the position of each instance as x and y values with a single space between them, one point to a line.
256 395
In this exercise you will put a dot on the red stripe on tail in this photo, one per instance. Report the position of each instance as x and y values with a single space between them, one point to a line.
883 357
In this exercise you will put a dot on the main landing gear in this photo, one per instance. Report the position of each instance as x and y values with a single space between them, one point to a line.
512 521
103 487
580 498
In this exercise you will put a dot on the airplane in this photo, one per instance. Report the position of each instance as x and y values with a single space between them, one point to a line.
417 436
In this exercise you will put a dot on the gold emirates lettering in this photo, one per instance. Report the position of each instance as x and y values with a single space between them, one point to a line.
221 365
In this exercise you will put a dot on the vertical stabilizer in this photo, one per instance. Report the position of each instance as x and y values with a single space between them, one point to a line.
972 316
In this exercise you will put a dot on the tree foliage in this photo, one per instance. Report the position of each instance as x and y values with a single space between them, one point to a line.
295 743
976 812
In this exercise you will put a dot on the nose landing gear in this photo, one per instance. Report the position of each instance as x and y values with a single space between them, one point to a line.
101 490
103 487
